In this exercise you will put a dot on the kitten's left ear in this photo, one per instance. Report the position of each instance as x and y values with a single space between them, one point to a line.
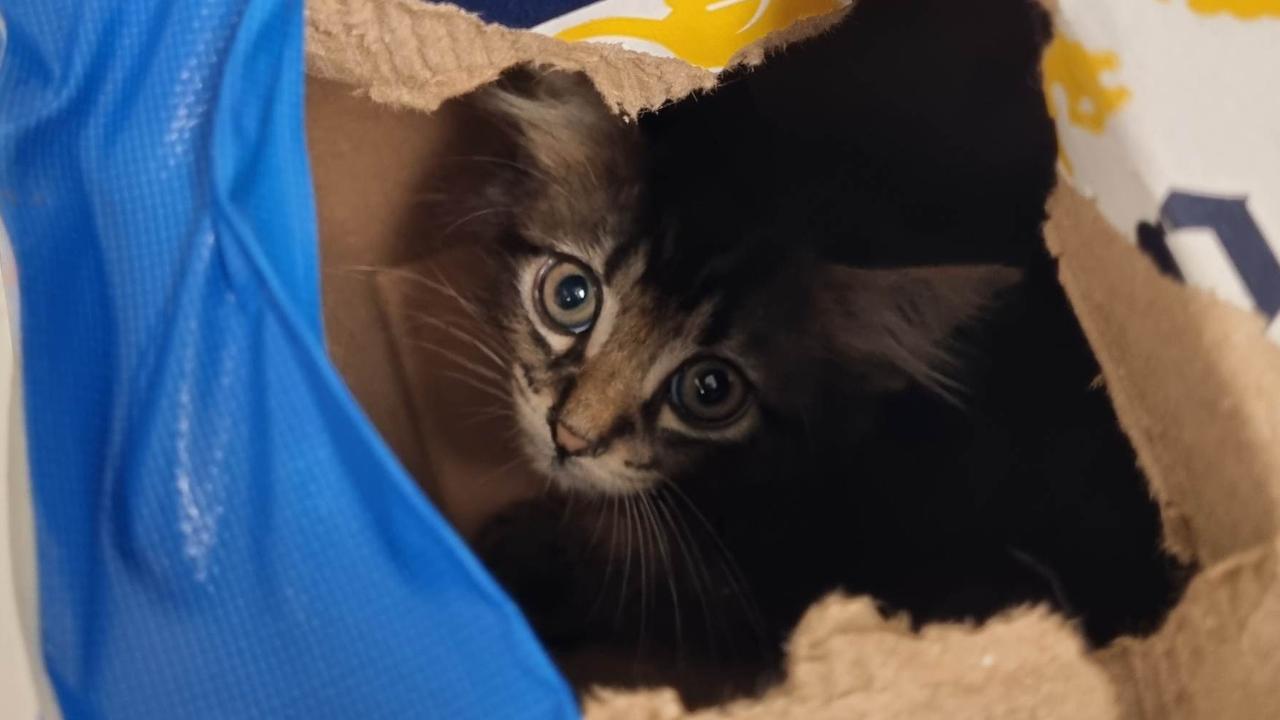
900 321
561 123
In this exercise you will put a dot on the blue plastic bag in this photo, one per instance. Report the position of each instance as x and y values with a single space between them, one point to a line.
220 532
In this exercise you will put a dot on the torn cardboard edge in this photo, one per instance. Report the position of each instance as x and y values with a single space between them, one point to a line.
414 54
1195 383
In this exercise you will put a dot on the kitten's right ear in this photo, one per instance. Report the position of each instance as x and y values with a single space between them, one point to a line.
561 124
900 321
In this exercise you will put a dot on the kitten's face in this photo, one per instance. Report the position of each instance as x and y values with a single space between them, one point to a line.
615 390
640 347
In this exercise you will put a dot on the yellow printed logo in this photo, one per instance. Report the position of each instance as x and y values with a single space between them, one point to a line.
1243 9
1090 103
707 34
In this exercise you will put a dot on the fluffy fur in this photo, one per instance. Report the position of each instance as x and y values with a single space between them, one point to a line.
923 433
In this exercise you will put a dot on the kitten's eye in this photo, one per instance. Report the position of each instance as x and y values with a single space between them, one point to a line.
568 296
709 391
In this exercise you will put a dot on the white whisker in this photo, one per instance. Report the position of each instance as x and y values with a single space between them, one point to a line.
734 574
610 554
704 582
472 216
443 285
464 362
660 538
546 179
439 285
483 347
641 544
626 566
473 382
504 161
483 479
697 571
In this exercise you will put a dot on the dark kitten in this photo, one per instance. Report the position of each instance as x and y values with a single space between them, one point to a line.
744 399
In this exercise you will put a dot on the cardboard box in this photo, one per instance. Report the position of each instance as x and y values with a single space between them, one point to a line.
1195 383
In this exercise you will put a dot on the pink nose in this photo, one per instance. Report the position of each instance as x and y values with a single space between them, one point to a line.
569 441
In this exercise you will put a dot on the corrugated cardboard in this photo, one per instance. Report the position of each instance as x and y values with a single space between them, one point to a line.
1195 382
411 54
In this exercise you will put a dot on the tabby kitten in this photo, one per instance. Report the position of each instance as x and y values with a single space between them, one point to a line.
640 354
734 421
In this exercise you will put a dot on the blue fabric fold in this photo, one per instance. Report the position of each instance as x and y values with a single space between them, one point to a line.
220 532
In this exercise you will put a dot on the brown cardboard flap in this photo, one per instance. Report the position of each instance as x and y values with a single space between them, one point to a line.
1216 655
365 161
847 662
1195 383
